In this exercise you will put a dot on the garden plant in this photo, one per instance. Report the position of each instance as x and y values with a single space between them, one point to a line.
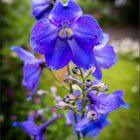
65 37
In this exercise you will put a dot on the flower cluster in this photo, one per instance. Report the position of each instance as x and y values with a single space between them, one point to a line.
91 103
63 34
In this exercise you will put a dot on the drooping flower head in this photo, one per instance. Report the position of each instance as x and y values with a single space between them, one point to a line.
66 35
32 69
105 56
32 129
42 8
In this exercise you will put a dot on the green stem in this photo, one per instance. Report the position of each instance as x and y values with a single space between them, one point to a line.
75 111
83 90
69 73
58 81
71 91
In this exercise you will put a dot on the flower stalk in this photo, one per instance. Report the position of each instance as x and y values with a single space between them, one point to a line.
61 39
75 115
83 92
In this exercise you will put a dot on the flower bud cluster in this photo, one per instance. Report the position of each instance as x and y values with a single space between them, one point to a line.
68 102
72 80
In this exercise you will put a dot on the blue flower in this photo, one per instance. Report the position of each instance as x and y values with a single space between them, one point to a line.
32 69
90 127
96 112
42 8
105 57
32 129
66 35
105 103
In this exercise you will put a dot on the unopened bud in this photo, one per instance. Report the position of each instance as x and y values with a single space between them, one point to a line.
61 105
100 87
88 83
76 71
69 79
90 71
70 99
92 115
72 80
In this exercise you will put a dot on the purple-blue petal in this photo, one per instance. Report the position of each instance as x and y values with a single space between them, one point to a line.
79 102
29 127
32 129
40 136
71 118
44 35
79 105
104 41
105 57
48 123
105 103
120 94
98 72
87 32
41 8
86 126
93 133
82 124
82 57
60 55
31 77
77 93
62 13
25 56
96 127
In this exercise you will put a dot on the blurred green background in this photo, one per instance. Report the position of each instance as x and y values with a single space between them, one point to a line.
117 17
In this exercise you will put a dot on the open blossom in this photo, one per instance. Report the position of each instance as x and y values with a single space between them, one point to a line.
42 8
32 129
96 112
66 35
32 69
105 57
105 103
87 126
92 128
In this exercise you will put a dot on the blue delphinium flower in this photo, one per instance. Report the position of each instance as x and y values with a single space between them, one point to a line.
105 57
42 8
105 103
32 129
66 35
32 69
96 112
92 128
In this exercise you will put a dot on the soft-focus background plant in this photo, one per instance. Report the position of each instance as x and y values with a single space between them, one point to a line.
120 19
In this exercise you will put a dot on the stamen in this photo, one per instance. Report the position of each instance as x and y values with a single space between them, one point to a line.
65 33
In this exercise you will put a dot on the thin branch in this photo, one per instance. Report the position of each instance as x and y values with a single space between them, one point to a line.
58 81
